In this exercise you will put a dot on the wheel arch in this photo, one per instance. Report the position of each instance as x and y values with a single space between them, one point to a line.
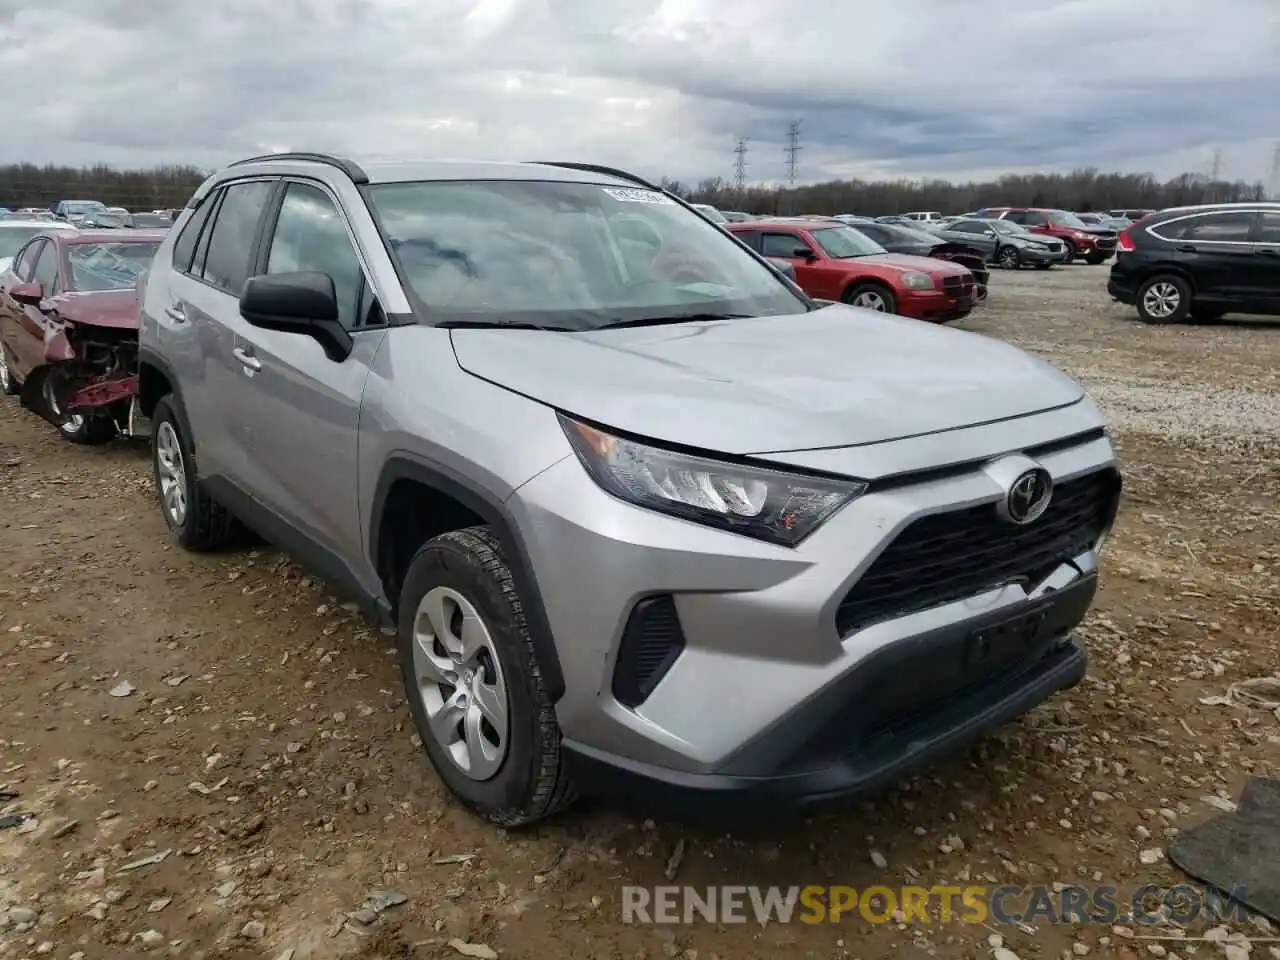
1166 269
868 280
460 503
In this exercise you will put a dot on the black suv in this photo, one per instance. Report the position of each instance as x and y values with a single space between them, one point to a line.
1200 262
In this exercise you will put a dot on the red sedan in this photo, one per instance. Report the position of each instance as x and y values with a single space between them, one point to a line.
69 327
833 261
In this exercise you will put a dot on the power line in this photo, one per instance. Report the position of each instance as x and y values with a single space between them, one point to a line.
793 151
740 164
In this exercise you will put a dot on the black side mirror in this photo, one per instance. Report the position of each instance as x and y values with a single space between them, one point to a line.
803 253
304 302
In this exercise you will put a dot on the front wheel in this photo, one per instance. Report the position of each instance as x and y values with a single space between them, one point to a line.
872 296
1164 299
1097 258
90 430
475 689
1071 252
1009 258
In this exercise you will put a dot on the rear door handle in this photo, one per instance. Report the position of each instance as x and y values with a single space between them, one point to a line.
1267 252
176 313
247 360
1187 248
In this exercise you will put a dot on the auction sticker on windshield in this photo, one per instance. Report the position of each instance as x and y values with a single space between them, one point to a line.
628 195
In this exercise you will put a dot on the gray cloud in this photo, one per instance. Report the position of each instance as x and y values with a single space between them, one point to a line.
662 86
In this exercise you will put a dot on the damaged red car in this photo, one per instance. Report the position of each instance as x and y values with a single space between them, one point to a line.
69 329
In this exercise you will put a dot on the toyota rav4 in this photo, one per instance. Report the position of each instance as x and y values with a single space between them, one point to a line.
642 513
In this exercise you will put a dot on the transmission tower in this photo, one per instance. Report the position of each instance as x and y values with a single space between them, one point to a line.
793 151
1274 186
1215 169
740 164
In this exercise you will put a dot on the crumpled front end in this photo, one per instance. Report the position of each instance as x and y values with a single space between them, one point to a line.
92 372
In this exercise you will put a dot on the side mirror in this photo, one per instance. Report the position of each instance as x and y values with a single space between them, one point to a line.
304 302
28 294
988 233
803 253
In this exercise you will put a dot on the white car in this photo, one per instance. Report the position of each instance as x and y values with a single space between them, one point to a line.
15 233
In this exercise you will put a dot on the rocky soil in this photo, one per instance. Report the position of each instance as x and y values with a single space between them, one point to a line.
220 764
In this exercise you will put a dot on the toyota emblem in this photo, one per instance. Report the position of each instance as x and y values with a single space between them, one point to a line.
1028 496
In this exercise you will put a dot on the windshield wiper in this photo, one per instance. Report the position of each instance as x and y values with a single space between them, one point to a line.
681 318
500 325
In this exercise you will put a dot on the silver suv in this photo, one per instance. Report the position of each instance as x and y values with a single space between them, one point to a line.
644 515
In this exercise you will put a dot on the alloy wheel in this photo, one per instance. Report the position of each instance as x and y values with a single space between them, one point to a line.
461 684
6 383
871 300
69 423
1008 258
1161 300
171 472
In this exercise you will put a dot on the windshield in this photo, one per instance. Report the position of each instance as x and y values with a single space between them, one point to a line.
841 243
1005 226
575 256
108 266
77 207
12 238
914 235
1063 219
710 212
109 220
146 220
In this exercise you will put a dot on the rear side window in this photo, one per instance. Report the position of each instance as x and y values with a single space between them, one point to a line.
1269 228
47 269
184 247
1211 228
750 237
234 231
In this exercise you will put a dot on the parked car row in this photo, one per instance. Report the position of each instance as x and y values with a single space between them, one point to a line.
590 458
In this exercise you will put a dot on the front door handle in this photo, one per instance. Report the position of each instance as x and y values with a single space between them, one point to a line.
1187 248
176 313
247 360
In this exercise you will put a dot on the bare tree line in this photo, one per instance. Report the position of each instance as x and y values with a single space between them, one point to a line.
1081 190
28 185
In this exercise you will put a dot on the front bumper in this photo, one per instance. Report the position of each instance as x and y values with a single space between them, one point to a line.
936 307
768 633
1034 255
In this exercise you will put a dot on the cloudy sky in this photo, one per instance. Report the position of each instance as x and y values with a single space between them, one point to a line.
894 88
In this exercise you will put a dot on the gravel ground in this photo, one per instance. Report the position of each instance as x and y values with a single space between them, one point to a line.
221 765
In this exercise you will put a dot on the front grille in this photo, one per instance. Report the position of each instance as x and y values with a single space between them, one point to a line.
651 643
958 286
1054 247
948 556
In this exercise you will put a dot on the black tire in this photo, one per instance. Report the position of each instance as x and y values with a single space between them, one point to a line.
1202 315
531 782
1169 288
1009 258
1097 259
205 525
8 385
85 430
1044 266
1071 251
882 292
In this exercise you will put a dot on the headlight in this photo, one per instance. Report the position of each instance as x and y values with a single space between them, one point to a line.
917 281
781 508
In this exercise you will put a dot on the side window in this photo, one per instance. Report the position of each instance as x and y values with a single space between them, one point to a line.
1034 218
26 260
1269 228
782 245
184 248
751 238
1220 228
47 269
878 234
1015 216
226 265
310 235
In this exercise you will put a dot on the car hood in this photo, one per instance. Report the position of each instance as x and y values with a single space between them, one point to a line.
905 262
838 376
1097 231
106 308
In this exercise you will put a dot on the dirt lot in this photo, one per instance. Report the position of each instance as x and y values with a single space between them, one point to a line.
265 752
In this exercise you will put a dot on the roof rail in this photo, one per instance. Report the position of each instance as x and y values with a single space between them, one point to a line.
351 169
597 168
